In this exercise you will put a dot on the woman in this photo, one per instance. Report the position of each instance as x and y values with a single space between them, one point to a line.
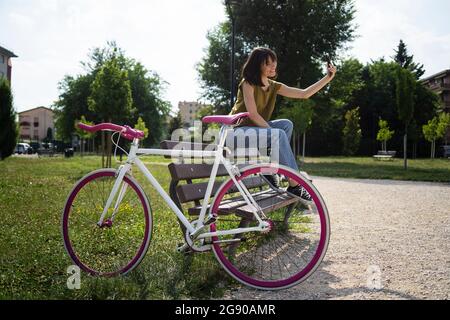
257 95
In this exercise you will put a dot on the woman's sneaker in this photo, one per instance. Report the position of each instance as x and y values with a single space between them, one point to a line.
299 191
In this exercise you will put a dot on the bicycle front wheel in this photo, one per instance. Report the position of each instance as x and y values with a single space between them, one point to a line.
119 244
296 243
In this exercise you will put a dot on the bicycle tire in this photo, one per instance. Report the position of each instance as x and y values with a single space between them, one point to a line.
242 260
76 246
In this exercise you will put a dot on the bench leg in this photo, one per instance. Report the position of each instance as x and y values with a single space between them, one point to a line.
288 212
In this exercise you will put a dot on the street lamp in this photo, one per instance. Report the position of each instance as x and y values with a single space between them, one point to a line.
231 5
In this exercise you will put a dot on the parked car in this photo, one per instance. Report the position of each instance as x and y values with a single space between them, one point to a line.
23 148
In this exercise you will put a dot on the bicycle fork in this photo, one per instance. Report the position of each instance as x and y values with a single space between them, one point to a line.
120 174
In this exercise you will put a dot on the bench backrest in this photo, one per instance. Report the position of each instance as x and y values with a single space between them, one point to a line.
194 191
387 153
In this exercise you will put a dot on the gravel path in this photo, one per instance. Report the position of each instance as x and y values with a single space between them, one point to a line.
389 240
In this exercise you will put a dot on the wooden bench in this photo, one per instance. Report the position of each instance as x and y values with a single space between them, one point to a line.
385 155
185 188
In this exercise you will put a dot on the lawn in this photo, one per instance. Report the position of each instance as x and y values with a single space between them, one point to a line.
33 260
437 170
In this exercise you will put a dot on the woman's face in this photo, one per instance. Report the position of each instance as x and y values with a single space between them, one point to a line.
269 68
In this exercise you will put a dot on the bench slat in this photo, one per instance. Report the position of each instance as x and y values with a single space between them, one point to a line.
268 200
191 192
195 171
278 201
231 204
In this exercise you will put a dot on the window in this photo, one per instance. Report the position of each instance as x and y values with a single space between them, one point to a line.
2 59
2 74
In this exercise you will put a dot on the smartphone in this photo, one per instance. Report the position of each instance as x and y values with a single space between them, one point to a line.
329 65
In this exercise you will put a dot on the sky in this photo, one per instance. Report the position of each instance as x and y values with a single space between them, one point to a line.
51 37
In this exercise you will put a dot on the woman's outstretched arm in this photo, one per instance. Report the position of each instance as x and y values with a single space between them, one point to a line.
297 93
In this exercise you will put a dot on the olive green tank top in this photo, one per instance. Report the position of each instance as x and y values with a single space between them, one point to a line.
265 102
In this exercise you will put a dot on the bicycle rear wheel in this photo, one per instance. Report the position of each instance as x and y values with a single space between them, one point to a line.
118 246
298 238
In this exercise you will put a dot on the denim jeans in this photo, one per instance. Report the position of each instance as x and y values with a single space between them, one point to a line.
277 138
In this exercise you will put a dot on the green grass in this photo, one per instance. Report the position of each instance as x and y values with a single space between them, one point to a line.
437 170
33 261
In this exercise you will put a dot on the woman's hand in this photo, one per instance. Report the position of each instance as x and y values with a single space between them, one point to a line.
331 69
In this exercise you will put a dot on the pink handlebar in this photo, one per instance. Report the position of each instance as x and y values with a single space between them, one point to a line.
125 131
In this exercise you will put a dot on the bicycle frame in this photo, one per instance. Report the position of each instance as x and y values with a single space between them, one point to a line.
218 159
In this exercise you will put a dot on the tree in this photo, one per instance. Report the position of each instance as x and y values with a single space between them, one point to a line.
49 136
384 134
352 132
140 125
300 112
405 104
430 133
302 33
407 61
146 90
174 124
436 129
8 128
84 135
111 99
443 125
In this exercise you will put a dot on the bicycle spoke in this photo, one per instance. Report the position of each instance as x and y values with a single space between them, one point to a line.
112 247
286 250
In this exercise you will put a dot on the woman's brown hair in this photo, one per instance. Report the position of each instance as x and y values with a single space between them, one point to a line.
251 71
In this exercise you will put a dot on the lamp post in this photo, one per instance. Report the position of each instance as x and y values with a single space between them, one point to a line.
231 5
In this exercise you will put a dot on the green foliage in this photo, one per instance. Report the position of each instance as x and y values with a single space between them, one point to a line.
300 112
8 128
302 33
351 132
430 130
146 91
140 125
407 61
33 259
111 93
443 125
384 134
49 136
82 133
174 124
405 95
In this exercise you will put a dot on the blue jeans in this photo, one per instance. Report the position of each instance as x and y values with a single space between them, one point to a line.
277 138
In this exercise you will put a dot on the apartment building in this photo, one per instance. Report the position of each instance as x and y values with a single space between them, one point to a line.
440 84
6 63
189 112
34 123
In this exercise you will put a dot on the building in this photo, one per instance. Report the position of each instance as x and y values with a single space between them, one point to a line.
34 124
5 63
440 84
189 112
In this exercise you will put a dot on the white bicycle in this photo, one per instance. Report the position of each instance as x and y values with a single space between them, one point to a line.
107 219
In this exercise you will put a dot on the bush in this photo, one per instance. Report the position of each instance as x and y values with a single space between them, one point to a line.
8 128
